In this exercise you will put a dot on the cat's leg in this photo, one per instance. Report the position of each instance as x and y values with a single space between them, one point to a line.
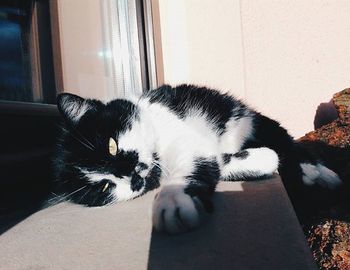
251 163
179 205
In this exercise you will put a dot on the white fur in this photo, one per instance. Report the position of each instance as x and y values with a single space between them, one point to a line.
237 132
170 199
259 162
192 135
178 141
319 174
140 138
123 191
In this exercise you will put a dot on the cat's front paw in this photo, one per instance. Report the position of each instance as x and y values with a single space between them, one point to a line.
174 211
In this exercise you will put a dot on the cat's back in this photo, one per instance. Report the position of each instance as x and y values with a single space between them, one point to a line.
185 100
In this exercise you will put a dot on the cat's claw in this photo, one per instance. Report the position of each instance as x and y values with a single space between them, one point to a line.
174 211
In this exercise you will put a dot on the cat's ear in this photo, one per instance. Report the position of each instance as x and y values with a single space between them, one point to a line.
73 107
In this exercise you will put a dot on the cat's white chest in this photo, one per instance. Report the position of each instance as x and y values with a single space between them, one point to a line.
180 141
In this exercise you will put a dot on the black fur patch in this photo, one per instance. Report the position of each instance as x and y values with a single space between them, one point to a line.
136 182
226 158
241 154
153 178
203 180
246 176
183 99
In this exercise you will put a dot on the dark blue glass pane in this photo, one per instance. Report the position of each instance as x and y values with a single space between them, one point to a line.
14 60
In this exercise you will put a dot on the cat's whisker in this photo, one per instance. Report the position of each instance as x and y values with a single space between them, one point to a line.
161 167
156 164
82 197
164 169
54 194
64 197
85 139
86 145
87 142
110 202
93 202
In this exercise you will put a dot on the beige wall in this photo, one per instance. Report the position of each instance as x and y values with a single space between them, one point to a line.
295 53
201 43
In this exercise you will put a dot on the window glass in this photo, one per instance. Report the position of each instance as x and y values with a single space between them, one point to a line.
15 82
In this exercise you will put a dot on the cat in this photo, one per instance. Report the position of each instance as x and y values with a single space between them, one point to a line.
183 139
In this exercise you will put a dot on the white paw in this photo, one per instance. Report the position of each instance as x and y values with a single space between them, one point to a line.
266 158
310 172
328 178
321 175
174 211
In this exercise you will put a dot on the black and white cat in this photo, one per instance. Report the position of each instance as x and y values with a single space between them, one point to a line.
183 139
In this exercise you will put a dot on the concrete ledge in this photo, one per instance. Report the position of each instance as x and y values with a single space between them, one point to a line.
253 227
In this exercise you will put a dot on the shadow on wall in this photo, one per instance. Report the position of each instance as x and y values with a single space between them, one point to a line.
325 114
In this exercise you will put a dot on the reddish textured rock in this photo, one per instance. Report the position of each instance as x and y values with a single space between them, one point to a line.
341 101
330 244
329 239
336 133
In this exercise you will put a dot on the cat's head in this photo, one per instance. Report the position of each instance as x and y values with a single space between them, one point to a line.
106 153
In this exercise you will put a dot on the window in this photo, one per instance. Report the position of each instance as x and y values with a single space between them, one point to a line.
106 47
26 69
41 54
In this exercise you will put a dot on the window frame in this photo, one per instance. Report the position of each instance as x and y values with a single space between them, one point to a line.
31 128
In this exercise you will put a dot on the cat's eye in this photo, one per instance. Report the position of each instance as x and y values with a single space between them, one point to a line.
105 187
112 147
